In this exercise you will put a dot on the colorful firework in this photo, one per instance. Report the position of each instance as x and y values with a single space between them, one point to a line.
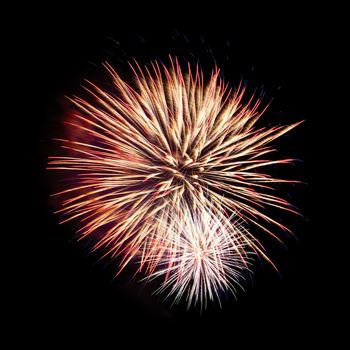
168 137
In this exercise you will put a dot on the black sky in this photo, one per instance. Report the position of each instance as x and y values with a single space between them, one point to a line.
280 52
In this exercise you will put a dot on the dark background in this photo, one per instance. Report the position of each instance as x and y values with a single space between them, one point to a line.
282 51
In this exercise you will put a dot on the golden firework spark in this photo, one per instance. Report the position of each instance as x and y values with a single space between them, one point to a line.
167 137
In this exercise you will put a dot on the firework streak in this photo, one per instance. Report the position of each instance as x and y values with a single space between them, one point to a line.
167 172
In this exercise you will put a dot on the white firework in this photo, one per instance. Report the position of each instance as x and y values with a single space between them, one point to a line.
208 256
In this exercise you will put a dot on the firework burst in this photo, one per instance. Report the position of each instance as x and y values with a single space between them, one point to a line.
204 255
170 136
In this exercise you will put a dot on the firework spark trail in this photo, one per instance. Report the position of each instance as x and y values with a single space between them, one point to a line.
204 255
169 136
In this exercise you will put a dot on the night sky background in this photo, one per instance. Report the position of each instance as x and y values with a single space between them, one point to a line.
66 291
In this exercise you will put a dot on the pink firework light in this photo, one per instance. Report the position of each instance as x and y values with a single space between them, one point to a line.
163 160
